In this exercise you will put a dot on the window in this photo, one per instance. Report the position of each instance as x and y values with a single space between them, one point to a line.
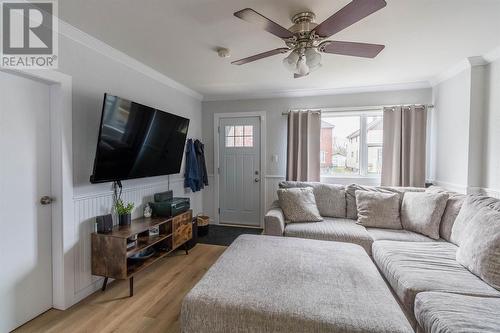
352 144
374 140
239 136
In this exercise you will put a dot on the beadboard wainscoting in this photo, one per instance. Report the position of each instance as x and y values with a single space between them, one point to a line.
88 206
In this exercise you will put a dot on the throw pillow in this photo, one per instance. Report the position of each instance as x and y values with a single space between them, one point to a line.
470 208
299 205
378 210
480 250
351 206
421 212
330 198
453 206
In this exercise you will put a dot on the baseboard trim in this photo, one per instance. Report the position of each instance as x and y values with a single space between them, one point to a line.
491 192
452 186
495 193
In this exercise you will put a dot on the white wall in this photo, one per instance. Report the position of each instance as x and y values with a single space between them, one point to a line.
467 120
451 122
96 68
276 125
491 133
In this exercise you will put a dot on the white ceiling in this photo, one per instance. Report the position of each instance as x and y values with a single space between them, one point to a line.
178 38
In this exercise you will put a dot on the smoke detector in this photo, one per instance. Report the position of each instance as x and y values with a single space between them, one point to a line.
223 52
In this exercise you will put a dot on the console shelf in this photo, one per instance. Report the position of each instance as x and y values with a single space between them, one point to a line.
112 259
145 242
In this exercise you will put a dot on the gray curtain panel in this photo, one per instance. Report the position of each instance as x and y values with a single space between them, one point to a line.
403 161
304 128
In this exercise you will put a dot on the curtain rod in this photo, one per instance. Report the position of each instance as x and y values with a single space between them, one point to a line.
358 108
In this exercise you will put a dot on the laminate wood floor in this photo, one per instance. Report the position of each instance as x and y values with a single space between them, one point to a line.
155 306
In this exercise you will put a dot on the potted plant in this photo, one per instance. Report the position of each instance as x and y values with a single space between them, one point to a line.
124 212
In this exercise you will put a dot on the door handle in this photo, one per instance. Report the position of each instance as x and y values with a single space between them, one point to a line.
256 180
46 200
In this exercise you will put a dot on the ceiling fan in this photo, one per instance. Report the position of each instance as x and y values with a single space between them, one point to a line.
306 39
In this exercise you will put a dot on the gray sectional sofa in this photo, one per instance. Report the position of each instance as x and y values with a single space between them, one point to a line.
438 292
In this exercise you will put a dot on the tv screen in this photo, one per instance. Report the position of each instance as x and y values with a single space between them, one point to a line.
137 141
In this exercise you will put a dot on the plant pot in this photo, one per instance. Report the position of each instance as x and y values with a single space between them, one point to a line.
125 219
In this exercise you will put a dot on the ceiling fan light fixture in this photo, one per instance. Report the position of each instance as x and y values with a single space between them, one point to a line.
307 39
291 61
302 68
313 59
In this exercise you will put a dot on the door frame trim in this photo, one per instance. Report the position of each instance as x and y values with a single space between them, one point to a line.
61 172
263 158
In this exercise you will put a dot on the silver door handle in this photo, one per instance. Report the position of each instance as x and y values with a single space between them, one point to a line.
256 180
46 200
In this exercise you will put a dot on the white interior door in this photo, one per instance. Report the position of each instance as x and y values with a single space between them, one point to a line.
25 224
239 171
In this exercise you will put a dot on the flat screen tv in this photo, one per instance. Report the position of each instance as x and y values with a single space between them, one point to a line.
137 141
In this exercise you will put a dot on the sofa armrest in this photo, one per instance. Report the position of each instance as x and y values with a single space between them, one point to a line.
274 221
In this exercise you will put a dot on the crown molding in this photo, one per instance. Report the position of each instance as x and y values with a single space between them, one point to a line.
99 46
493 55
465 64
451 72
318 92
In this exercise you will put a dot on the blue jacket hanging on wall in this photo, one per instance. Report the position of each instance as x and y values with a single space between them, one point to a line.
200 157
195 175
191 174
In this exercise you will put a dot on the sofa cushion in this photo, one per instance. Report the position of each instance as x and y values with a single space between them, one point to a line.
471 206
453 205
264 284
413 267
299 205
350 194
378 210
443 312
330 198
332 229
480 250
397 235
422 212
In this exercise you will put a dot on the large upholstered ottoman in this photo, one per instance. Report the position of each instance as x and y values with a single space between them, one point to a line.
276 284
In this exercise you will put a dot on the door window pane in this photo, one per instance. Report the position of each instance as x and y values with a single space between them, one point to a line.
238 130
248 131
238 141
341 146
248 141
229 141
239 136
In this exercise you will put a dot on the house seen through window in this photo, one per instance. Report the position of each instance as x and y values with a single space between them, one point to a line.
351 145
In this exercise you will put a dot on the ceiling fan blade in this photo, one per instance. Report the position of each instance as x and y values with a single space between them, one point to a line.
351 49
263 22
347 16
296 76
261 56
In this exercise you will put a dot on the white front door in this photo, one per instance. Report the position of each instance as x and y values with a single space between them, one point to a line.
239 171
25 224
